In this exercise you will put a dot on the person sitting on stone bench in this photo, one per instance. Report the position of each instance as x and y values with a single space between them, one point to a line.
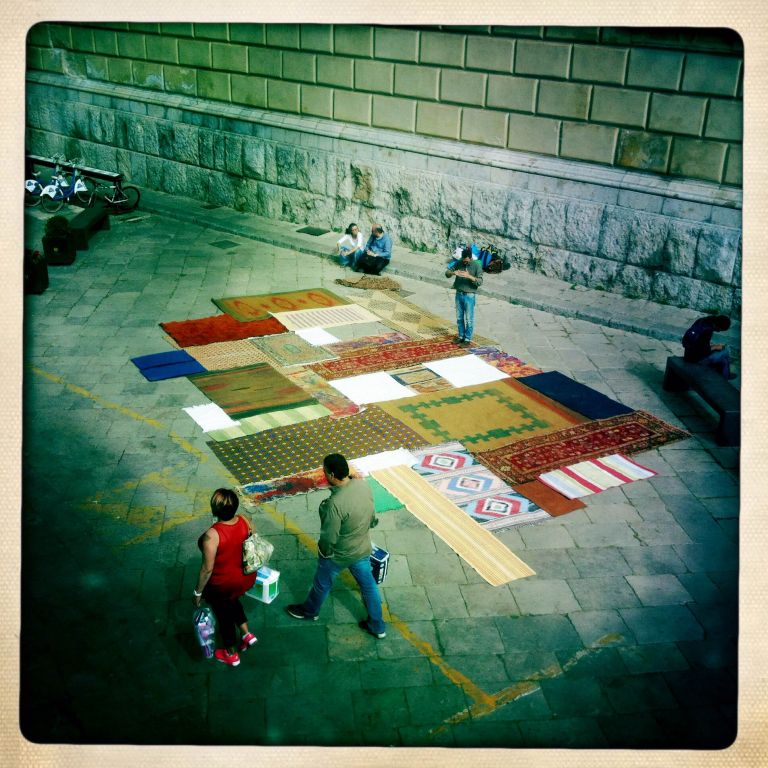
697 343
377 252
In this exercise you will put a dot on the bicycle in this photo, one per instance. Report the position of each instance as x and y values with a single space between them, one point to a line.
124 199
60 189
33 188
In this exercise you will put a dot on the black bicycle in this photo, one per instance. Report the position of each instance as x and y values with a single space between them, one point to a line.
124 199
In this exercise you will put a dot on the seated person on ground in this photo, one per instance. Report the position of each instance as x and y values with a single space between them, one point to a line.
378 252
350 246
697 342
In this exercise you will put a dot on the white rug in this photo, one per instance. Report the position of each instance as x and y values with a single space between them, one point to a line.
466 370
371 388
210 417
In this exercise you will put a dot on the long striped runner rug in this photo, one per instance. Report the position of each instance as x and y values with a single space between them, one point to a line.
588 477
478 547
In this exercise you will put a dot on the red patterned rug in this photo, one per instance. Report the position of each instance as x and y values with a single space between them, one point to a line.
389 357
628 433
504 362
206 330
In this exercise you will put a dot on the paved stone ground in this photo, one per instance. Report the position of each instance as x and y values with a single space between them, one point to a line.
625 638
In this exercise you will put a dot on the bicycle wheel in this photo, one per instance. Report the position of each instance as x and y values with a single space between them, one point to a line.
32 198
128 200
85 196
51 204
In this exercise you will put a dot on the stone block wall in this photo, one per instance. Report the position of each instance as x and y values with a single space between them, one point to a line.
203 111
666 102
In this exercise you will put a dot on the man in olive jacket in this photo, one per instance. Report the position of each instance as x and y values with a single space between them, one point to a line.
346 518
468 274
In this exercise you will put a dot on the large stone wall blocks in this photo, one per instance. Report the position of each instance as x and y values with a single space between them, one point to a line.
396 44
463 87
265 61
725 120
584 141
353 40
82 39
233 155
352 107
489 208
647 236
96 67
317 37
514 93
390 112
615 234
250 90
490 54
484 127
148 74
733 165
727 217
582 226
559 263
563 99
253 159
421 234
442 48
211 31
131 45
639 201
438 120
548 221
316 100
635 282
533 57
518 215
700 159
252 34
334 70
180 80
533 134
229 57
679 252
105 41
456 201
417 81
717 75
377 76
620 106
283 35
194 53
299 66
163 49
716 254
644 151
599 64
283 96
650 68
677 114
180 29
211 85
41 34
687 209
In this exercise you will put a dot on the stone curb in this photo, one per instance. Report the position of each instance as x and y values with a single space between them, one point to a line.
658 321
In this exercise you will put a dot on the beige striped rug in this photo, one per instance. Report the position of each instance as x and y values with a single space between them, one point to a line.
325 318
478 547
223 355
251 425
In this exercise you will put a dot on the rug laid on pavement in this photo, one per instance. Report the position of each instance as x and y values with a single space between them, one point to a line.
206 330
465 370
389 356
301 447
342 347
322 391
287 349
420 378
587 477
251 390
511 365
371 388
549 500
457 475
325 318
405 316
483 416
223 355
259 307
251 425
578 397
478 547
167 365
628 433
370 283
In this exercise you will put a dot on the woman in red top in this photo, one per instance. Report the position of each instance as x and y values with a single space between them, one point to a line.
222 581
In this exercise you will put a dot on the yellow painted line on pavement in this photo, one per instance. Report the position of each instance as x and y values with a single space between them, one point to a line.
78 390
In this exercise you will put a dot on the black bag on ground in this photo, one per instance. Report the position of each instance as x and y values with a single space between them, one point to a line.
35 272
371 265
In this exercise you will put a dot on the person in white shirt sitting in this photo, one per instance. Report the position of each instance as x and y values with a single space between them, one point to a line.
350 246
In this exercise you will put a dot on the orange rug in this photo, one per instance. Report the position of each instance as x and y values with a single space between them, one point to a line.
206 330
259 307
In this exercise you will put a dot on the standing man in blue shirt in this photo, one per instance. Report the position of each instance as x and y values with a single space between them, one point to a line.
468 276
377 252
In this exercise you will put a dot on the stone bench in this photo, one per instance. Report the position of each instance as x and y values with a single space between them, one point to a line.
680 376
86 223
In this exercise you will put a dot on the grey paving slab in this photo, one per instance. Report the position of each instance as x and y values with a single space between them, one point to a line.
543 596
581 697
603 592
659 589
662 624
601 628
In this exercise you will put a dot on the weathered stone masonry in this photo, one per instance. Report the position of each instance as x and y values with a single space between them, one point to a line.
426 164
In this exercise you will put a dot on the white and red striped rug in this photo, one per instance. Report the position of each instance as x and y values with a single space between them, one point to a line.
595 475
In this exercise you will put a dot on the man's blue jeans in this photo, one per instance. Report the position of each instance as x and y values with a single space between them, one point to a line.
465 314
325 575
720 360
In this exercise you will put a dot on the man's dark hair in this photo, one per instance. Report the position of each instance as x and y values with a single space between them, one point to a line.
379 230
722 323
224 503
466 252
336 465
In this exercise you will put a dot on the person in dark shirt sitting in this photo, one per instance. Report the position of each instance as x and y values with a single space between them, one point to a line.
697 343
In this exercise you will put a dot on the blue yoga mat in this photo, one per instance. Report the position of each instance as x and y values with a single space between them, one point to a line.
167 365
578 397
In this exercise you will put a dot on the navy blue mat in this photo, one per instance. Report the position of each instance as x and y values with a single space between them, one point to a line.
578 397
167 365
